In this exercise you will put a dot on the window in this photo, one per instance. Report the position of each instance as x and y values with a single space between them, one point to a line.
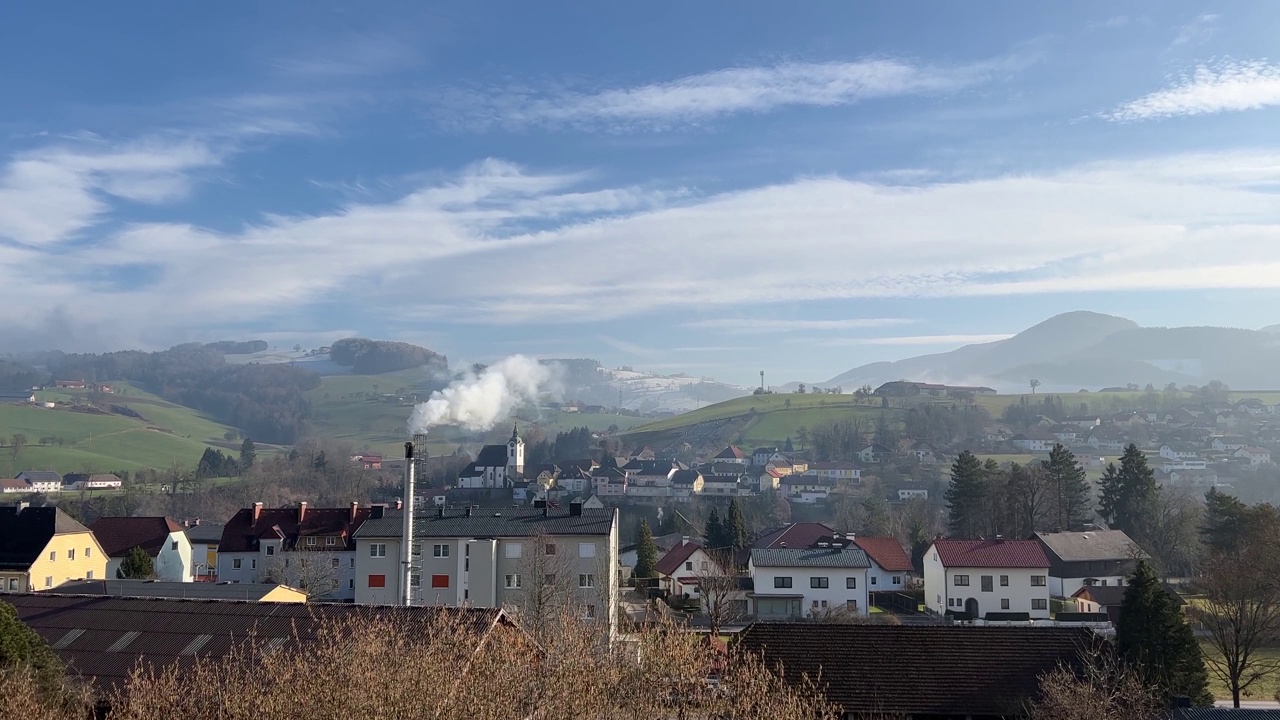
378 550
173 545
1037 581
962 581
513 582
87 552
48 581
331 541
551 549
782 582
311 542
513 550
897 579
818 582
1004 603
591 612
53 556
71 554
1004 581
549 579
851 605
335 563
851 583
253 563
815 604
351 584
987 584
376 581
1039 604
271 550
586 580
286 562
88 575
688 565
235 564
440 551
13 583
873 579
586 550
415 580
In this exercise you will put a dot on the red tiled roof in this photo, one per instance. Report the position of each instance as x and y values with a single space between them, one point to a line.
991 553
119 535
241 533
885 552
676 557
731 452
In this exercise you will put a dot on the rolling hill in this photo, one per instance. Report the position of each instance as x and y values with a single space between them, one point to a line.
1086 350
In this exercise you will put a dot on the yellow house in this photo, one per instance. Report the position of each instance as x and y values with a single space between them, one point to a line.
41 548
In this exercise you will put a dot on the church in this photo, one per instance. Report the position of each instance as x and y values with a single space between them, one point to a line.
497 466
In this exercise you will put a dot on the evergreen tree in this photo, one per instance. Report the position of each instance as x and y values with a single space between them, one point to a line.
137 565
22 648
319 463
1225 522
1153 636
1128 493
248 454
646 553
1070 505
966 497
735 527
788 448
715 532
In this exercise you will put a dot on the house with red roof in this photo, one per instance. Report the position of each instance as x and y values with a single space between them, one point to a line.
683 564
987 579
731 454
162 539
890 565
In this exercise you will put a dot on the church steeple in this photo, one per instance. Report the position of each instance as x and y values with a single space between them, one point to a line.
515 432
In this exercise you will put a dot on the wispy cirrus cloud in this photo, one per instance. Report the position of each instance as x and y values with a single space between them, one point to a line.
707 96
762 326
912 340
1229 86
1198 30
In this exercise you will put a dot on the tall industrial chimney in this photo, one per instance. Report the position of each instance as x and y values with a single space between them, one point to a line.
420 459
406 545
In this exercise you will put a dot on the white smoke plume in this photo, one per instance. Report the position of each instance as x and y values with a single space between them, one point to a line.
478 402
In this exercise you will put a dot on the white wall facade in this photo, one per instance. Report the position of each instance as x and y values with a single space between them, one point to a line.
253 566
1066 587
942 593
883 580
835 597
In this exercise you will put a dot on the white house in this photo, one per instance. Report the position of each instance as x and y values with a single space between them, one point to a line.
807 489
1229 443
873 453
679 569
809 582
1178 452
42 481
890 567
978 577
731 454
1034 442
1088 557
1255 455
720 484
162 539
87 481
764 455
839 471
497 466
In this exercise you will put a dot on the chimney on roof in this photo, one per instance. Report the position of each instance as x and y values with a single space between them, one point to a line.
257 512
376 511
302 511
850 537
469 510
355 507
196 522
575 508
440 511
399 504
545 510
684 540
539 504
782 544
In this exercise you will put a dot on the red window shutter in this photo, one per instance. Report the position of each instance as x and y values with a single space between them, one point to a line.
439 581
377 581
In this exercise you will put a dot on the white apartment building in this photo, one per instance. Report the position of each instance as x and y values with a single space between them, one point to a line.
486 557
809 582
987 576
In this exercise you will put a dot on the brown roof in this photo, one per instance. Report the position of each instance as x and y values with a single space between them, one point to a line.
991 553
102 638
119 535
949 671
886 552
676 557
242 533
733 452
794 535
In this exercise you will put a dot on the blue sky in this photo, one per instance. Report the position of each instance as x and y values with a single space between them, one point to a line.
709 187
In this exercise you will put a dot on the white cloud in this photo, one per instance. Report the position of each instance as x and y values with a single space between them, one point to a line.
1198 30
497 244
707 96
1229 86
918 340
750 326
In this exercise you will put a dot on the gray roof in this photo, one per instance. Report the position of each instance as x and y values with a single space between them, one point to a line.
161 589
491 522
1090 545
208 533
25 532
492 456
810 557
41 475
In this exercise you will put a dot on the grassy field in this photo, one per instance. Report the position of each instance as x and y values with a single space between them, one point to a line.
1262 690
995 404
776 418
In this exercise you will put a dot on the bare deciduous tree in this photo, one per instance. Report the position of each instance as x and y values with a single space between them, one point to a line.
721 597
1103 689
315 572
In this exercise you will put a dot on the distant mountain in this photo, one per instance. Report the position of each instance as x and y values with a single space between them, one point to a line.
1085 350
587 381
